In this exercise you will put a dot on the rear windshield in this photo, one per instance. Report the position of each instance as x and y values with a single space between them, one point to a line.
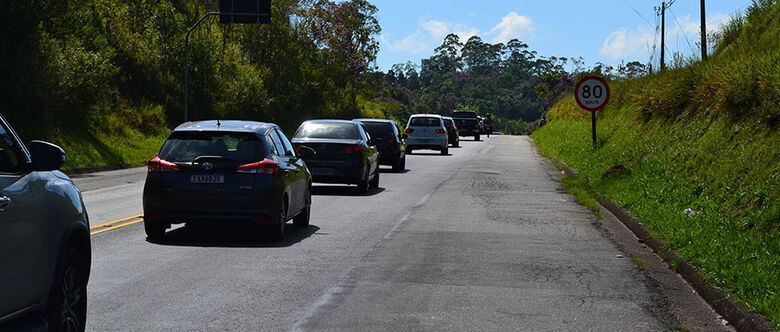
380 129
328 130
424 122
187 146
464 114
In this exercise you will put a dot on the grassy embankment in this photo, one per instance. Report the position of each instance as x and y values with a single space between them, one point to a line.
703 137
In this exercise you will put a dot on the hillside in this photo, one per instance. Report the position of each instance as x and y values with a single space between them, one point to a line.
704 137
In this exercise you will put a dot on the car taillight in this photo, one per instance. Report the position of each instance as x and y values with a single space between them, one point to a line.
351 149
409 130
265 167
391 141
441 131
157 165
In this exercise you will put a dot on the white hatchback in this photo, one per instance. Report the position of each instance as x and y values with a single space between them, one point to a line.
426 131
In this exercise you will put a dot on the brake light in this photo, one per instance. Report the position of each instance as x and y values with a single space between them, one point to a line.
157 165
441 131
298 148
409 130
261 218
351 149
265 167
391 141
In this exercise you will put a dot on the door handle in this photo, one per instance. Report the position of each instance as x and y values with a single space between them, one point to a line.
4 202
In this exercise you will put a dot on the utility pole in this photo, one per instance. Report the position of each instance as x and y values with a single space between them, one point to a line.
703 33
663 34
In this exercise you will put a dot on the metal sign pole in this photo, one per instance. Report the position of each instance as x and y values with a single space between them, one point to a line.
187 52
593 120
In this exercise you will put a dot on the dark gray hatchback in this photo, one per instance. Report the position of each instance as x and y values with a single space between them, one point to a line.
216 172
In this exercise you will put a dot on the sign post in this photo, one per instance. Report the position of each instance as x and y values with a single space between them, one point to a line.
592 94
231 11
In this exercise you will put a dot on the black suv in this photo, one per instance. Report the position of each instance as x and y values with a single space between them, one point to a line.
389 140
45 251
223 171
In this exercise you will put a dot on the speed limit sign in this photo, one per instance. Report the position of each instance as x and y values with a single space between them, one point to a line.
592 93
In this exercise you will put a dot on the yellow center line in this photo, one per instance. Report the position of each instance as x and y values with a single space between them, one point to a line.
116 226
105 224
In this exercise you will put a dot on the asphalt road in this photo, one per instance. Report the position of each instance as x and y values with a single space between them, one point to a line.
483 239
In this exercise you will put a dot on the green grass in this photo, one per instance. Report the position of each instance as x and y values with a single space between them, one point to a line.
88 149
704 137
576 186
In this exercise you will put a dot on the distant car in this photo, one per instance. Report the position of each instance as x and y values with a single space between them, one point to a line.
452 131
468 123
427 131
345 152
227 171
390 141
45 250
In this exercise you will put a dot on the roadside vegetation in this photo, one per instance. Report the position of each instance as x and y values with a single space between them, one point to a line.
701 150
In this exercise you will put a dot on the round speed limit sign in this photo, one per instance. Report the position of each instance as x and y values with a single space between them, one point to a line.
592 93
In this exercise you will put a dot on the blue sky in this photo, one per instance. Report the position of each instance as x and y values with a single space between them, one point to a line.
599 31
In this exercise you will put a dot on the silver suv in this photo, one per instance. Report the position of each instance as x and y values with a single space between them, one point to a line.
45 250
426 131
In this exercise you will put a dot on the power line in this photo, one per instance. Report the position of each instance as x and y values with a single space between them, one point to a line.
682 30
637 12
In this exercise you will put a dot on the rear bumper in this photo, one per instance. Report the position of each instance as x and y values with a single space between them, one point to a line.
417 142
335 172
474 132
176 208
389 157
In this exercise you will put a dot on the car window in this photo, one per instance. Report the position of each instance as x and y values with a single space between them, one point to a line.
328 130
380 129
10 161
422 121
187 146
278 145
365 133
288 148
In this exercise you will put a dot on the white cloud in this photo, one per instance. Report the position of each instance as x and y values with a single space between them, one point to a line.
682 34
429 35
512 26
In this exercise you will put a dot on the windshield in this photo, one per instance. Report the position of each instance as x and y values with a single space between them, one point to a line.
425 122
186 146
464 114
328 130
379 129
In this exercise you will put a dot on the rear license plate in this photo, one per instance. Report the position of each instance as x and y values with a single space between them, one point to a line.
322 171
207 179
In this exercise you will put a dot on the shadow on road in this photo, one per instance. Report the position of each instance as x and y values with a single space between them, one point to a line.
431 153
234 236
390 170
343 191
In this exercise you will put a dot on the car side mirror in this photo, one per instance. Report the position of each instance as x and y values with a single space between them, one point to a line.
46 156
373 142
306 152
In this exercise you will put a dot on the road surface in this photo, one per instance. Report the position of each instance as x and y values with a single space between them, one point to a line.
482 239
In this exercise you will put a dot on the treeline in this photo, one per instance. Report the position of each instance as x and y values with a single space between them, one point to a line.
509 81
103 67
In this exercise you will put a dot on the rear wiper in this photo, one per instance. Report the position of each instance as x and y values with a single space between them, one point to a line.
199 158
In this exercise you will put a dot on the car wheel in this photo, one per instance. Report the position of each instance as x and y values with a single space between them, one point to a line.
302 219
375 182
409 151
399 165
445 150
67 306
403 164
476 138
154 230
364 184
277 231
457 143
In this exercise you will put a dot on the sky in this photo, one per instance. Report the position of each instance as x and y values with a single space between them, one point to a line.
607 31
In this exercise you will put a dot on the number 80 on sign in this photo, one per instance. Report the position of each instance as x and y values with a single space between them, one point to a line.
592 93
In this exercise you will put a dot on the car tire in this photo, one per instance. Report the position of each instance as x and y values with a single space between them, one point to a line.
67 306
445 150
375 182
409 151
476 138
302 219
457 143
154 230
277 230
399 165
364 185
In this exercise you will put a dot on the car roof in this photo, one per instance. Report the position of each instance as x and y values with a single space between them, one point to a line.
226 125
426 115
331 121
376 120
446 117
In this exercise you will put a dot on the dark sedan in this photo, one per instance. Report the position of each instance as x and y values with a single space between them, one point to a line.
345 152
390 142
223 171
